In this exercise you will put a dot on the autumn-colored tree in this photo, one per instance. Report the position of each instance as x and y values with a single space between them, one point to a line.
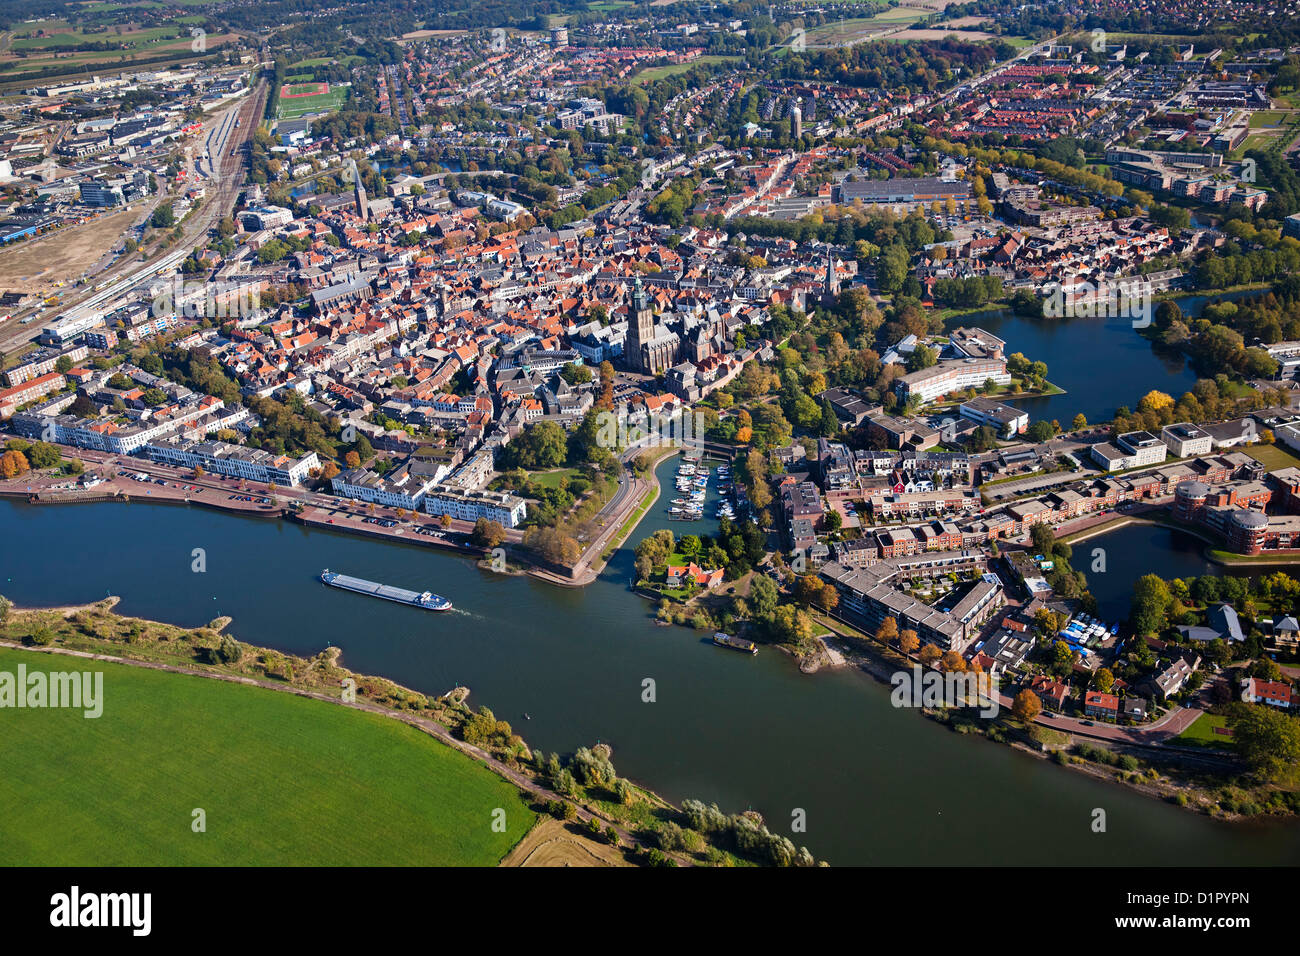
929 654
952 661
13 464
744 435
888 630
487 534
606 400
352 459
807 589
908 642
445 520
1155 400
330 470
1026 706
553 544
1103 680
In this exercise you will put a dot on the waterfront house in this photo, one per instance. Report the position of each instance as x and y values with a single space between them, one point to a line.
678 575
1097 704
1223 618
1052 693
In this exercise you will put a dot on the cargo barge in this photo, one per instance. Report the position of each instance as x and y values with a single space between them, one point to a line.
426 600
734 643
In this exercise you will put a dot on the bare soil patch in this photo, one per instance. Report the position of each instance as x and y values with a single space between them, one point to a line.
552 843
927 33
36 265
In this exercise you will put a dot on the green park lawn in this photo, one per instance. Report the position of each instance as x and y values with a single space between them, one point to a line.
1272 457
652 73
1202 733
283 780
552 479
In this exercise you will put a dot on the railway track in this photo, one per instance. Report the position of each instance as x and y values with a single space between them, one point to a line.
229 175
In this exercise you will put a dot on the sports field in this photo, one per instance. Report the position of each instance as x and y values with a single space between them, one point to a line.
281 779
304 99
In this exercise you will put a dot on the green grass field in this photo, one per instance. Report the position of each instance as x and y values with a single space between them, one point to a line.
326 61
1262 118
1272 457
652 73
1202 733
552 479
297 106
283 780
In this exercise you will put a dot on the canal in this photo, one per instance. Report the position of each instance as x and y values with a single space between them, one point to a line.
879 785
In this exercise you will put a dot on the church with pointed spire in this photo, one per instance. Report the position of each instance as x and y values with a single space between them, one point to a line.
832 287
650 348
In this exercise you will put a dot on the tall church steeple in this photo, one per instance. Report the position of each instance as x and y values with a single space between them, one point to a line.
640 327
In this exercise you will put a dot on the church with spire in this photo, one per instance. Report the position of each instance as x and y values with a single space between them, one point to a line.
831 290
651 348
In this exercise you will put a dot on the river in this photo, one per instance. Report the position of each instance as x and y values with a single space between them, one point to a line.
879 785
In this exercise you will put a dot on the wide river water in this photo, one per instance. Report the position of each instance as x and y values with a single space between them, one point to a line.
879 785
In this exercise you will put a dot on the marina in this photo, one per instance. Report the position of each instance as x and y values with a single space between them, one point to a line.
692 482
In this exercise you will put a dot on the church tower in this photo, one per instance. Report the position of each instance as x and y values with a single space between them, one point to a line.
832 277
640 328
359 192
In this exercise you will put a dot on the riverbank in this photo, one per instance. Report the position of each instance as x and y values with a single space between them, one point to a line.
336 515
598 827
1212 552
1200 781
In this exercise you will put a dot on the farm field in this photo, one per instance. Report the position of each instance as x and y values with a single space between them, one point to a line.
552 843
281 779
31 47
